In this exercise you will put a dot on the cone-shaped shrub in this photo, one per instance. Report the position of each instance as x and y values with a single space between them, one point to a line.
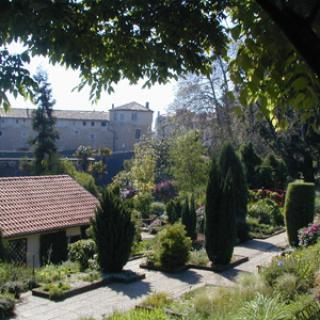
113 233
299 208
193 218
188 218
230 164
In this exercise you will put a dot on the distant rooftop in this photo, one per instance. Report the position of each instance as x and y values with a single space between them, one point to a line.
132 106
59 114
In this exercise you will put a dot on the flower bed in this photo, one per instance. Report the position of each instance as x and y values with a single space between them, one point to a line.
79 284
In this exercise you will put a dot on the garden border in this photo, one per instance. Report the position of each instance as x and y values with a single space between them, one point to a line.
217 268
113 277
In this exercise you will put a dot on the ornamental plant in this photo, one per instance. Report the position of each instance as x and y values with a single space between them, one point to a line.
309 235
113 232
82 251
299 208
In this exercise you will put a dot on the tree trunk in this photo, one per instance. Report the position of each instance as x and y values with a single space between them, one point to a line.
298 31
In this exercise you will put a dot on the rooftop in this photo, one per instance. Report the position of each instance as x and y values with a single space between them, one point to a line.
60 114
43 203
133 106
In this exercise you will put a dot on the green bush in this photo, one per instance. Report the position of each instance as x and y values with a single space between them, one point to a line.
157 300
142 202
299 208
81 251
113 233
7 306
266 211
172 247
173 210
140 314
157 208
189 218
199 257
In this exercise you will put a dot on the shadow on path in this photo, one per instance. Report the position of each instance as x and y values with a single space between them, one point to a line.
187 276
132 290
260 245
232 274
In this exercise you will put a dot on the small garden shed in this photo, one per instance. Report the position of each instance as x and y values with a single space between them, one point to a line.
40 214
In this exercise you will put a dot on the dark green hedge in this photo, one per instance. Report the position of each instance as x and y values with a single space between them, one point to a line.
299 208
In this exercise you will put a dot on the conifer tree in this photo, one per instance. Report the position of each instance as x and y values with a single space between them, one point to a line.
189 217
43 122
193 218
113 232
223 205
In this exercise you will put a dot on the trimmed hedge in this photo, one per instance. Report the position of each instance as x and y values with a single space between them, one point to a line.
299 208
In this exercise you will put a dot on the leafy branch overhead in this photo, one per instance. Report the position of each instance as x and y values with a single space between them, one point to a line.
276 62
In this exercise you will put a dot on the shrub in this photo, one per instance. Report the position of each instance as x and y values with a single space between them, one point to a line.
142 202
13 287
279 171
199 257
172 247
140 314
81 251
265 176
266 211
113 233
3 252
189 218
264 307
165 190
6 307
157 208
173 210
287 286
251 163
222 206
299 208
309 235
157 300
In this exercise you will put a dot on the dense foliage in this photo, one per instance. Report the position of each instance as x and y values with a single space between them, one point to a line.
81 251
189 218
43 123
299 208
173 210
113 232
172 247
220 229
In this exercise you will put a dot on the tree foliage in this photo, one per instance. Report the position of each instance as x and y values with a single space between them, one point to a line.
43 122
188 163
113 232
189 218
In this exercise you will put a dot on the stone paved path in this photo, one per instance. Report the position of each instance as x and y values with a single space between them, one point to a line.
105 300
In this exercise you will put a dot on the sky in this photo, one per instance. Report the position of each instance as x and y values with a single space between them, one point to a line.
64 80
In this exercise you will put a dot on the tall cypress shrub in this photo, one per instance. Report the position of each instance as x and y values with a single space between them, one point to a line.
173 210
230 163
251 162
185 217
113 233
299 208
193 218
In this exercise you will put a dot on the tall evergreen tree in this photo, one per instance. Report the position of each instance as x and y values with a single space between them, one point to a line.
225 206
113 232
230 163
43 122
189 218
251 162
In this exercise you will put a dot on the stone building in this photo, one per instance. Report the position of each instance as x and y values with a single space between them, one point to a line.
119 129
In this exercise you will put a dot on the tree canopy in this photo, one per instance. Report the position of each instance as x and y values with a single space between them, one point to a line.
276 63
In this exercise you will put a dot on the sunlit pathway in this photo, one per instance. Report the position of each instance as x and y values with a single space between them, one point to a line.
113 297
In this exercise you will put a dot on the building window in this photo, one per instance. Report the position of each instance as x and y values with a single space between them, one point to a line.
103 124
84 123
0 133
17 121
138 133
92 136
92 123
134 116
121 116
18 250
76 131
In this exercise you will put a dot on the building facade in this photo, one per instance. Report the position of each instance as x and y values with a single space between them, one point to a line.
119 129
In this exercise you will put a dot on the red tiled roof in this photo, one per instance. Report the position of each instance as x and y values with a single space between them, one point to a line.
43 203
